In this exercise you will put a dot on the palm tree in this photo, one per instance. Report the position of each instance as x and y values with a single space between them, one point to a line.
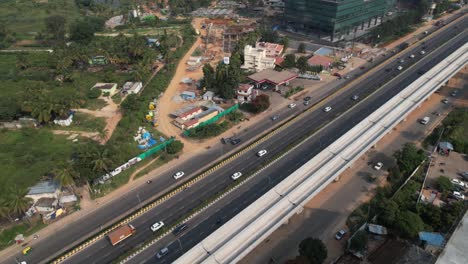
5 210
17 200
65 174
101 161
102 134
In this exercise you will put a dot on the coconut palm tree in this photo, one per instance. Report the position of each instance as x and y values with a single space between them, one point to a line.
65 174
5 210
101 161
17 200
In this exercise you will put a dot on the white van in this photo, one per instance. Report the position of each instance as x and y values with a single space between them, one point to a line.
425 120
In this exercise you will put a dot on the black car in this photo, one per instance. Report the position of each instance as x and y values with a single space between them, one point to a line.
235 141
307 98
179 229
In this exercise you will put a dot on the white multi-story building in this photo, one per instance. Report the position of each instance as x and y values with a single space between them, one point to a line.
262 56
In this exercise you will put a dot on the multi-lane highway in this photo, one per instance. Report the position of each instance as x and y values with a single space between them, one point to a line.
262 182
170 211
182 203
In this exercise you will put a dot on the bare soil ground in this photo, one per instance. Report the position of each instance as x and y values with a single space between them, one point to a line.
110 112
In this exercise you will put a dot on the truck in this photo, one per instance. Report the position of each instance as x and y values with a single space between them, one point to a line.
121 234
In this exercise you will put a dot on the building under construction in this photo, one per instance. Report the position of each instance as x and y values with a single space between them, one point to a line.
232 35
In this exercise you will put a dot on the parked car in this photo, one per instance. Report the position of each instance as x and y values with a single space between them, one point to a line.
327 109
235 141
225 140
378 166
179 175
292 105
262 152
306 102
458 183
275 117
425 120
422 52
339 235
411 56
156 226
355 97
458 195
399 68
453 94
236 175
445 101
307 98
337 75
464 175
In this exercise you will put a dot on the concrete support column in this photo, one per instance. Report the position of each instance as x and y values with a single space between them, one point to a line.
362 25
375 22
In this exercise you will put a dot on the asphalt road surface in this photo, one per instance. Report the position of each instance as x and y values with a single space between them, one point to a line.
103 252
182 203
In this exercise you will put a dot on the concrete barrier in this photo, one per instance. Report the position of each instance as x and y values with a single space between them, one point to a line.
232 241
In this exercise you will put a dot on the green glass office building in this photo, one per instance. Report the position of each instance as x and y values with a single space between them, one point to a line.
335 17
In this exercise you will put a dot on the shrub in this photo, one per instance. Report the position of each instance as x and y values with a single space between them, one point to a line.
235 116
207 131
93 93
175 147
359 241
443 184
259 104
313 249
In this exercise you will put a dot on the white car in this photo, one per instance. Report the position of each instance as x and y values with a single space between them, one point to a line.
292 105
459 195
236 175
179 175
339 235
327 109
445 101
261 152
411 56
378 166
458 183
399 68
422 52
156 226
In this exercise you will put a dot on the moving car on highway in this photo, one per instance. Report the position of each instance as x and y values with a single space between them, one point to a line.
156 226
261 152
179 175
236 175
327 109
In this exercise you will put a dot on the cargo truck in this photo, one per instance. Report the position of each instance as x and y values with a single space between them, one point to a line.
121 234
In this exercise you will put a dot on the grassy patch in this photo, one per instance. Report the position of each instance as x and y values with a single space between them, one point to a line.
84 122
29 154
7 236
95 104
117 98
161 160
26 18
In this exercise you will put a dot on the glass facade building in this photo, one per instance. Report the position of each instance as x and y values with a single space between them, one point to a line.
336 17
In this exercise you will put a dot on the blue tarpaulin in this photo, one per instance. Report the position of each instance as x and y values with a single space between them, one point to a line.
434 239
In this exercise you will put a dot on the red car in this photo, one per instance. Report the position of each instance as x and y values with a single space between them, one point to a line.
337 75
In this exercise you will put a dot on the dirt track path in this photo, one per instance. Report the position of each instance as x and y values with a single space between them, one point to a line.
166 106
